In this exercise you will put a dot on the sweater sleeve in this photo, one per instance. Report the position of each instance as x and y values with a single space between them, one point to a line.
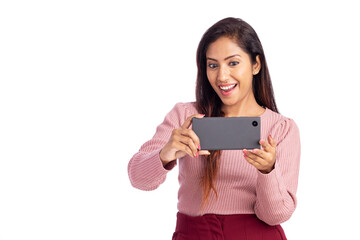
145 168
276 191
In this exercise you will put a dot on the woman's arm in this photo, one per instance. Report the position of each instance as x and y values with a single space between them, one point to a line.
145 169
276 191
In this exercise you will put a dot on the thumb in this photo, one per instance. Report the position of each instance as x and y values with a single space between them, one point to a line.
204 152
187 122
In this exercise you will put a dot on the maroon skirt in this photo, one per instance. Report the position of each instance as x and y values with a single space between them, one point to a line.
225 227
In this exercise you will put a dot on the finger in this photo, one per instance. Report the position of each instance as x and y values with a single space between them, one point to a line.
188 137
263 158
187 122
266 146
254 157
190 133
189 142
256 165
259 153
185 148
204 152
252 161
272 141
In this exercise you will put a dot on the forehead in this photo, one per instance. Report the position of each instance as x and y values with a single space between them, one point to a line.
224 47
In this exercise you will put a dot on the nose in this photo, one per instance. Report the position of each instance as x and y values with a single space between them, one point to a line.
223 74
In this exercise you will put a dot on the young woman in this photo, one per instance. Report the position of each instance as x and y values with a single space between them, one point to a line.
229 194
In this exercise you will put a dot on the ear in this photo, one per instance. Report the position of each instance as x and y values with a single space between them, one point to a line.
256 66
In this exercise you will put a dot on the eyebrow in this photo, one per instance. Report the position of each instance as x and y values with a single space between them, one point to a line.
224 58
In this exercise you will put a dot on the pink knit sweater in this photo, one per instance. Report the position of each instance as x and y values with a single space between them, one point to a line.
242 189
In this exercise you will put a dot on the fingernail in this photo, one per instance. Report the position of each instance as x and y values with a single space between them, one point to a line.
244 150
262 141
199 147
255 151
202 115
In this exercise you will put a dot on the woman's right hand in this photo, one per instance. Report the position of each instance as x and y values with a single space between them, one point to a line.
182 141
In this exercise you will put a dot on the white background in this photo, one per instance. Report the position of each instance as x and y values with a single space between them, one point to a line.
85 83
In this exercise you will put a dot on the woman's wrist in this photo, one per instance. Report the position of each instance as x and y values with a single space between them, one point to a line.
268 170
164 162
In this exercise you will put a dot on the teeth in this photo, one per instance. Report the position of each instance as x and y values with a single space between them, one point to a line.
227 87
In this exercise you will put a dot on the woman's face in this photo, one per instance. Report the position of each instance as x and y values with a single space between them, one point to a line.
230 71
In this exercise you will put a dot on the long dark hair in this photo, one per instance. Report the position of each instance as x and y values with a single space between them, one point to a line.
209 103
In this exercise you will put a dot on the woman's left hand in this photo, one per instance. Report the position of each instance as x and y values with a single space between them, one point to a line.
263 159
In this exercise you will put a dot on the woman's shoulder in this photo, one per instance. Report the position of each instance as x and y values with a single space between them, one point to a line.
188 108
180 112
191 107
279 123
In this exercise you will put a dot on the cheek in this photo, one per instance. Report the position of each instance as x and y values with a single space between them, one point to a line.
243 76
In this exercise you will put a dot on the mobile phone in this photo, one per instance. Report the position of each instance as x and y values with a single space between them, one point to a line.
227 133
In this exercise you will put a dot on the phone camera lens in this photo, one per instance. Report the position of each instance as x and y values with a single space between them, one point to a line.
254 123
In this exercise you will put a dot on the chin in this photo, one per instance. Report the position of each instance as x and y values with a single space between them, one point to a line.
229 102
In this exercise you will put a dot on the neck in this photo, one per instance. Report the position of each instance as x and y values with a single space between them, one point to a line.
245 108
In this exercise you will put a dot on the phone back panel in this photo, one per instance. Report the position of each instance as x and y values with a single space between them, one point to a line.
227 133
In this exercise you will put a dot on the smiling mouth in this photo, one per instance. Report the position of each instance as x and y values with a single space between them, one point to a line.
227 87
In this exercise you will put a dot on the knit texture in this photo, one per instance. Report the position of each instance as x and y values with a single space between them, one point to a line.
242 189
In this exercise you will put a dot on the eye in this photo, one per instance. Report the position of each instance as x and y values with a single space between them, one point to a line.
212 65
233 63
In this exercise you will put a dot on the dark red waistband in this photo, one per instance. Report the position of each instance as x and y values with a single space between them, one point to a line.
225 227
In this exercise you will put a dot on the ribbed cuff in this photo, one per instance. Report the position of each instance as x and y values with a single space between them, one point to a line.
157 167
270 186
